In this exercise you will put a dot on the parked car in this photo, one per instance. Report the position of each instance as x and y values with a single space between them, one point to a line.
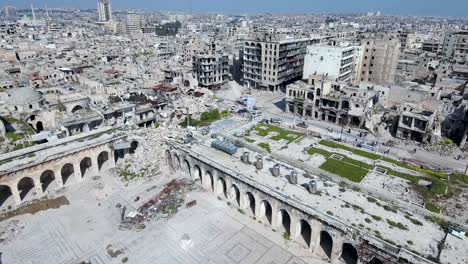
302 125
276 120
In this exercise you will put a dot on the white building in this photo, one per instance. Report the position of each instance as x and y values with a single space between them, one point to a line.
133 24
105 10
334 61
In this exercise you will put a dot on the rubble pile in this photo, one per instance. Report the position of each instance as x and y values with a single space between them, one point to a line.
11 231
163 206
147 159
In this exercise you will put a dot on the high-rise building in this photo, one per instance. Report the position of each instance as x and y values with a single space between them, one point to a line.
377 60
334 61
133 24
9 11
456 46
105 10
274 64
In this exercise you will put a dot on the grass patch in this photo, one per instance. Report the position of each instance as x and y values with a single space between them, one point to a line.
414 221
362 153
438 187
13 137
265 146
206 119
398 225
376 217
373 156
281 133
432 207
345 170
437 220
249 140
322 152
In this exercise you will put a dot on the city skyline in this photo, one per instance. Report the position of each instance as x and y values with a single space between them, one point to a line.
390 7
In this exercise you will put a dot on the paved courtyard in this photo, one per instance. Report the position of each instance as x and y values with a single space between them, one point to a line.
86 231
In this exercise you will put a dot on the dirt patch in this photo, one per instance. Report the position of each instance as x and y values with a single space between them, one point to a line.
36 206
114 253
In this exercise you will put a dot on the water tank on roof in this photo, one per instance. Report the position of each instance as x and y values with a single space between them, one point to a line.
224 146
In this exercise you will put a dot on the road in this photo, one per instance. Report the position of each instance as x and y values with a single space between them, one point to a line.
268 104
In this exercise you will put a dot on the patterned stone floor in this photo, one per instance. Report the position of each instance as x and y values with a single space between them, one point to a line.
86 230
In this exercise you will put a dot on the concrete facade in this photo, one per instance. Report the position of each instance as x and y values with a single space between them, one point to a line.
377 61
334 61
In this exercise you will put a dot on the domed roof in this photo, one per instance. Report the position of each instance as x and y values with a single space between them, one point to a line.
23 96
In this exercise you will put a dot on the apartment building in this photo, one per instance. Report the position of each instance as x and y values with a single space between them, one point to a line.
456 46
377 61
211 70
334 61
105 10
271 65
133 23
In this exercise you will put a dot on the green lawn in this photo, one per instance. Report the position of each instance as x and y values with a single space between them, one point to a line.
374 156
432 207
265 146
322 152
249 140
282 133
345 170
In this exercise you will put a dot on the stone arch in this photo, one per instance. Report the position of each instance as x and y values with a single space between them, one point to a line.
177 160
326 243
209 177
6 196
198 173
305 232
284 221
46 179
250 199
25 188
133 146
103 160
169 159
222 187
67 171
76 108
266 211
85 166
235 193
186 168
349 254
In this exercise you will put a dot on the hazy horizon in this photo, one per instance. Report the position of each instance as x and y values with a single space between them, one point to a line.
390 7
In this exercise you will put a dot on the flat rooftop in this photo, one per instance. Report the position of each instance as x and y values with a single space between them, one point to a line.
24 158
342 206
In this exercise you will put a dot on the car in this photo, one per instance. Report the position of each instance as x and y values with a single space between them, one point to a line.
276 120
302 125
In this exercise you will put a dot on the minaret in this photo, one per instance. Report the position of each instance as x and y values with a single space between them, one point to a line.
47 12
33 13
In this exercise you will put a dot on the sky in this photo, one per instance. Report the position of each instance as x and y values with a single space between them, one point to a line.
391 7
